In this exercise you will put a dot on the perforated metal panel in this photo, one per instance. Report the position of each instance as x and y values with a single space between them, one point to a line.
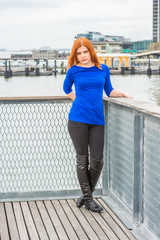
152 176
121 145
36 151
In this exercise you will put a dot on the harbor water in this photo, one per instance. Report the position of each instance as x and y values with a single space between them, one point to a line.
141 87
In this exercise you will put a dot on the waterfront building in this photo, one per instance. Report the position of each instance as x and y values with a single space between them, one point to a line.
107 47
156 20
111 46
92 36
116 38
106 43
21 56
44 53
140 46
97 36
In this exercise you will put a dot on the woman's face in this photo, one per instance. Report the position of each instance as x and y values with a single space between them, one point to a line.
83 56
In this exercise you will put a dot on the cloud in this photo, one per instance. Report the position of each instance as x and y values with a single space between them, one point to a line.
16 4
31 24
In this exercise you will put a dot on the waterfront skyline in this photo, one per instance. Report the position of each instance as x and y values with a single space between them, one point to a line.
32 24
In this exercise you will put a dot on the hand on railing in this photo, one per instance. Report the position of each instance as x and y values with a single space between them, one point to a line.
127 96
116 94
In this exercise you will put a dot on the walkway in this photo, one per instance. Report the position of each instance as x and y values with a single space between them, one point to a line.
57 220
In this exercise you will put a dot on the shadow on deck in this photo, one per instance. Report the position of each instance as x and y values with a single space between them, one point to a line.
59 219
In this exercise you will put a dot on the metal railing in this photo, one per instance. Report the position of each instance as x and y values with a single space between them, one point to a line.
37 158
132 149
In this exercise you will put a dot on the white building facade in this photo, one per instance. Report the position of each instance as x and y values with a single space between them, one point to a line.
44 53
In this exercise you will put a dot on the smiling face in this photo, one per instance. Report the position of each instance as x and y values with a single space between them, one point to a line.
84 56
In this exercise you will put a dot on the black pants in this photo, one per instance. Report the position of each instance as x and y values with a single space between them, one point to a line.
87 138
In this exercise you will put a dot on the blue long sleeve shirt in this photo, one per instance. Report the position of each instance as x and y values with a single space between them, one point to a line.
89 85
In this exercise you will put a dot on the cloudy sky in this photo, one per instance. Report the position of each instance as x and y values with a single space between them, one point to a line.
28 24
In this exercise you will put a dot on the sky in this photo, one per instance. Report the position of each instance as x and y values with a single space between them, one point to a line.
31 24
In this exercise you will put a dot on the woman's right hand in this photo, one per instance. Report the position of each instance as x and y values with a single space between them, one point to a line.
71 95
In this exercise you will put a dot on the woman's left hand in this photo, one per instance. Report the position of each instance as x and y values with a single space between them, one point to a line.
127 96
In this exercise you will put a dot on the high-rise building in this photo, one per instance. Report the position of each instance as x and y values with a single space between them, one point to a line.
156 20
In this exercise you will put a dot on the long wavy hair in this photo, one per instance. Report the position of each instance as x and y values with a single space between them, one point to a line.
82 41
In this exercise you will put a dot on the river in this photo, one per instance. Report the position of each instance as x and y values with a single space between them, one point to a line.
141 87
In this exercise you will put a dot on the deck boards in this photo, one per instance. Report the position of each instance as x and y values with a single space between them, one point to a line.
59 219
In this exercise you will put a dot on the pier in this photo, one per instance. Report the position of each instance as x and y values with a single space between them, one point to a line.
119 63
38 182
59 219
32 67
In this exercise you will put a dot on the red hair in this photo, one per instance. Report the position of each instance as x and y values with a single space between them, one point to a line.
82 41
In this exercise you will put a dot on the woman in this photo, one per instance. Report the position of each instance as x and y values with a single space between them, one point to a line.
86 117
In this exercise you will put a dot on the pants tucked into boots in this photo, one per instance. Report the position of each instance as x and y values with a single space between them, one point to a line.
88 139
83 176
96 166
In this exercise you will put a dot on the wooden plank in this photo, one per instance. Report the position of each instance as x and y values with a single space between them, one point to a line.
47 221
66 224
84 223
113 225
104 226
11 221
92 221
3 223
20 221
29 221
38 221
117 220
55 220
76 225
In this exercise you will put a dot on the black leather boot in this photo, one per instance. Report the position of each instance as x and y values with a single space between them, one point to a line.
86 182
95 171
83 177
80 202
94 174
92 205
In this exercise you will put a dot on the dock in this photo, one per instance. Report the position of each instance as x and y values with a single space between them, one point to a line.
59 219
45 67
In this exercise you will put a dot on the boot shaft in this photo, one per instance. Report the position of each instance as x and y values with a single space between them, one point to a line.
83 176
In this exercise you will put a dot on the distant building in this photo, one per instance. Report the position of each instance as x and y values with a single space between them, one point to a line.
106 46
156 20
99 47
44 53
92 36
21 56
114 43
116 38
64 53
140 46
97 36
106 43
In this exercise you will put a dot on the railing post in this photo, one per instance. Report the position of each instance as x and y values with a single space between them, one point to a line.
105 177
138 170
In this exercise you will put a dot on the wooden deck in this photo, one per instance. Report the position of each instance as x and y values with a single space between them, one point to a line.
59 219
